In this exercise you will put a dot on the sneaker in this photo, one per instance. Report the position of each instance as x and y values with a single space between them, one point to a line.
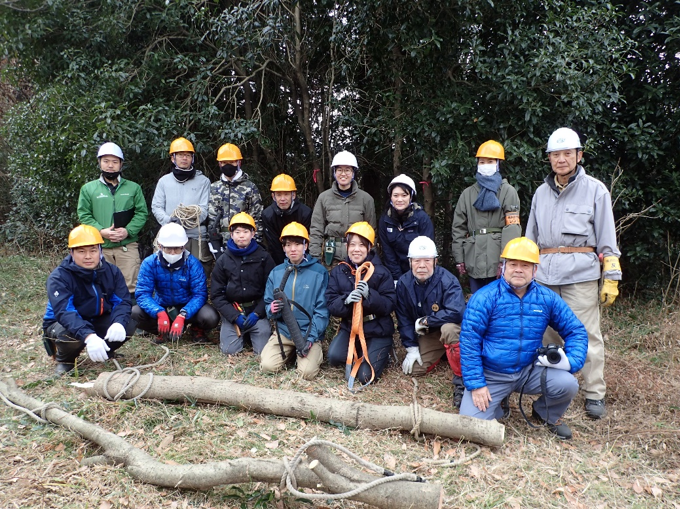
505 406
562 431
63 368
199 337
595 408
458 391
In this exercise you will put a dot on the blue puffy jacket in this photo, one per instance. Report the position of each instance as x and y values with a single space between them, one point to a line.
443 302
77 295
307 286
502 332
159 287
397 233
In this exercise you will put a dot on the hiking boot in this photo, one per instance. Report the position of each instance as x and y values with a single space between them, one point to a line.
595 408
198 336
560 430
63 368
458 391
505 406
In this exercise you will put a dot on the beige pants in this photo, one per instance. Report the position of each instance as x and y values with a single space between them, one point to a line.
272 362
126 258
584 301
432 349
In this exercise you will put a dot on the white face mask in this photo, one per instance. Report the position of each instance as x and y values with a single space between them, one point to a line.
487 169
172 258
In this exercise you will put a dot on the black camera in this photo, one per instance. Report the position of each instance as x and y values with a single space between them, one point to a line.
551 352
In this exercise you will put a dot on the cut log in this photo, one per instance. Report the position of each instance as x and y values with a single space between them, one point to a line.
304 406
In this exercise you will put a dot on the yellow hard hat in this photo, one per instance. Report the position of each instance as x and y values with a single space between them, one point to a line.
294 230
523 249
492 150
84 235
229 152
283 182
242 218
364 229
181 145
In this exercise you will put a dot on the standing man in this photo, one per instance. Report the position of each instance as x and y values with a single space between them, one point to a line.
430 307
502 331
337 209
177 192
234 192
284 210
116 207
572 222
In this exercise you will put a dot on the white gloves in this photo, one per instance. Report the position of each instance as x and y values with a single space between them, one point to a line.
96 348
116 333
354 296
563 364
395 282
412 355
421 328
362 288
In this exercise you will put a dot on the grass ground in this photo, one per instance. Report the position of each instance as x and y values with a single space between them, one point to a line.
629 459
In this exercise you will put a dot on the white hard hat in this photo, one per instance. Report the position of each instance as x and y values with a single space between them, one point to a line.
345 158
172 235
110 149
404 180
422 247
563 139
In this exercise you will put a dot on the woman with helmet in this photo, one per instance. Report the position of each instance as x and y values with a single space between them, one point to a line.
375 291
403 221
485 219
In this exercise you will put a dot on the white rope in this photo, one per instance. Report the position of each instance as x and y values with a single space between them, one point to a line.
189 217
133 374
32 413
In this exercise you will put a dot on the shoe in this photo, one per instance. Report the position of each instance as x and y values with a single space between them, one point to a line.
562 431
63 368
199 337
505 406
458 391
595 408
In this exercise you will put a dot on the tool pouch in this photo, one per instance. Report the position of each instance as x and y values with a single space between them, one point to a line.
329 251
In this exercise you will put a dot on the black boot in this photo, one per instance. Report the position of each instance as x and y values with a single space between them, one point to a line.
63 368
458 391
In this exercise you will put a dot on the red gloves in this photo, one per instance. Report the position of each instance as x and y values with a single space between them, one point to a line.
177 328
163 323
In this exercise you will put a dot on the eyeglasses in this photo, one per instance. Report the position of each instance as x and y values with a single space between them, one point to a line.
343 170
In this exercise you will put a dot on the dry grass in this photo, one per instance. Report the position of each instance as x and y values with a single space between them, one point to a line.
629 459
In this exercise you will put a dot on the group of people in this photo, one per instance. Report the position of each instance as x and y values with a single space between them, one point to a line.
280 273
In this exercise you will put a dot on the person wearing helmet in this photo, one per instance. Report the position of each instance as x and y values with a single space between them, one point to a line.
234 192
337 208
88 304
237 289
403 221
172 291
485 219
429 308
305 284
572 222
376 294
183 187
285 209
116 207
501 334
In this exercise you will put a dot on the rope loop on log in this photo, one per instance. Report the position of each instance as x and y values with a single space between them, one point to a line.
453 463
32 413
133 374
288 478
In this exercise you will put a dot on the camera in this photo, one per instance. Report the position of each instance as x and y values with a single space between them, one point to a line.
551 352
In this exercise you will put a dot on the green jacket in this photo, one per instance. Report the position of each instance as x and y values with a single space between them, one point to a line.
96 206
481 252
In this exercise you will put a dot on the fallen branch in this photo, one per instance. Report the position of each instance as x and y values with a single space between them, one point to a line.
305 406
329 474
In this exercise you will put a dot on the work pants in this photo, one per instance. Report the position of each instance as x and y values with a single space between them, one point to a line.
378 354
272 361
126 258
232 343
206 318
432 348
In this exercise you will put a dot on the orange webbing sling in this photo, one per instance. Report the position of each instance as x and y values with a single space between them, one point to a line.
362 273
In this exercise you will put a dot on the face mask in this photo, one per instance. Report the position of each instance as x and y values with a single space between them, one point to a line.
229 170
172 258
111 175
487 169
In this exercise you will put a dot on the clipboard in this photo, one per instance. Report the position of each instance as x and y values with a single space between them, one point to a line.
122 219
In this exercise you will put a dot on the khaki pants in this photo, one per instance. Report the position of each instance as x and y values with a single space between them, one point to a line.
584 301
432 349
126 258
272 362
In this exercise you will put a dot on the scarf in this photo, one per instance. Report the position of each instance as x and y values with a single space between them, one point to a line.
237 251
183 175
487 199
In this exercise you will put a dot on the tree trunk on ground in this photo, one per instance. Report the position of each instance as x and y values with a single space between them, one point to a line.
300 405
332 473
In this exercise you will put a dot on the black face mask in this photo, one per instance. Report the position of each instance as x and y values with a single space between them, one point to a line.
111 175
229 170
183 175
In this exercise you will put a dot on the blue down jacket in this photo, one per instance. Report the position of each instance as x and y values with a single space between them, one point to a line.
77 295
443 302
380 301
502 332
159 287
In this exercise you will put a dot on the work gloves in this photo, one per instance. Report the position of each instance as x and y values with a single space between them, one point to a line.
96 348
275 307
240 321
421 327
250 321
177 328
362 287
412 355
609 292
163 323
461 269
354 296
115 333
563 364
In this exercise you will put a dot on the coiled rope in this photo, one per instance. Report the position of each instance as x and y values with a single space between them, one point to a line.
133 373
189 217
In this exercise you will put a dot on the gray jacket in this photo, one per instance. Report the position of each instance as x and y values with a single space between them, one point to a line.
171 193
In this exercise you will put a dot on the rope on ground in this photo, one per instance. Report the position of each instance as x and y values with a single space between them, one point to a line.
288 479
416 413
32 413
133 374
453 463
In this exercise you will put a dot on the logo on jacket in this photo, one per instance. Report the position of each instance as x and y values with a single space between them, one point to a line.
56 294
102 195
538 311
435 307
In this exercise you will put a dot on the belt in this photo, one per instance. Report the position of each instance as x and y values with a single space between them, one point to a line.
567 249
248 304
484 231
342 240
368 318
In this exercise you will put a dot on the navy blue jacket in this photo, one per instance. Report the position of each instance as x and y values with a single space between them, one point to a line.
502 332
395 237
380 301
77 295
443 302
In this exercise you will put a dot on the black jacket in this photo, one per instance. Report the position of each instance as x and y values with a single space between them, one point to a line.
273 221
